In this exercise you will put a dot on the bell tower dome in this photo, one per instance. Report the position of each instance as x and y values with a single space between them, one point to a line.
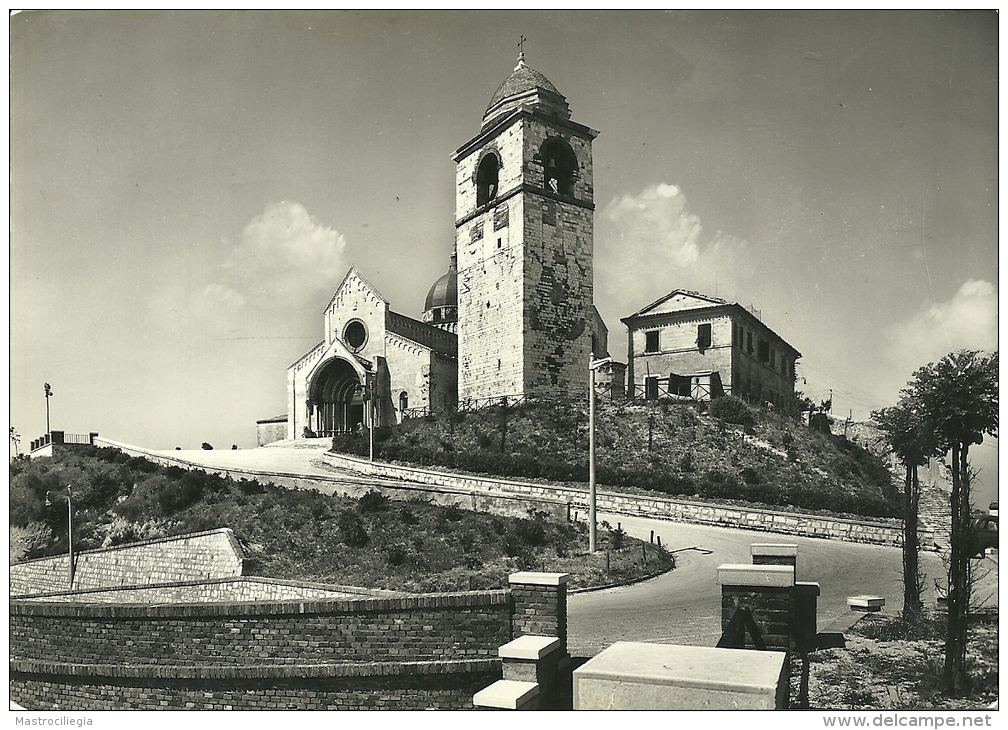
524 220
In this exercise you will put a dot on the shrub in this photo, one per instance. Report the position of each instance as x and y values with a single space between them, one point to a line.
352 531
373 502
206 446
617 538
733 410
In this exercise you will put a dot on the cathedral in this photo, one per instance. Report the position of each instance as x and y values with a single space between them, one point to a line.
513 315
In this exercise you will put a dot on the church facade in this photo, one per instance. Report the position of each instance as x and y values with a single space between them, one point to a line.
513 315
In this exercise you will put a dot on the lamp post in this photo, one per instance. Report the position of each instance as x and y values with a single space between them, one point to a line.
369 399
48 395
592 367
69 497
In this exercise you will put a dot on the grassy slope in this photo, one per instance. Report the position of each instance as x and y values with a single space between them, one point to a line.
304 534
691 453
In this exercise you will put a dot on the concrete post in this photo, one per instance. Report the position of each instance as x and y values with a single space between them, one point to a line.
774 554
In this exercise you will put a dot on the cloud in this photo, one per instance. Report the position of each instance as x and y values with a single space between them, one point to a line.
650 243
283 261
967 321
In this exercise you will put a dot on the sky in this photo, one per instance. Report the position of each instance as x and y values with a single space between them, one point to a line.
188 189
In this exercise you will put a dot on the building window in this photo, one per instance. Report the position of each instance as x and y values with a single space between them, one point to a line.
486 179
651 342
764 351
749 342
679 385
651 387
403 402
703 336
559 166
773 359
355 335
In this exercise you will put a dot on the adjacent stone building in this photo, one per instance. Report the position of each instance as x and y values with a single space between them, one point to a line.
697 346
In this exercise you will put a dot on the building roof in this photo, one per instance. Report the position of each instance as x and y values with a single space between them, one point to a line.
525 85
274 419
692 301
428 335
444 292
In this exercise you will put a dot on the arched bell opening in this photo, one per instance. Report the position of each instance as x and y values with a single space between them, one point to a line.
335 399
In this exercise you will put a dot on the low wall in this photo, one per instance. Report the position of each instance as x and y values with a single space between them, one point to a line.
358 686
251 588
198 556
403 652
877 532
506 505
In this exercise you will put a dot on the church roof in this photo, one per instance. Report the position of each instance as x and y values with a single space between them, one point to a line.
444 292
525 85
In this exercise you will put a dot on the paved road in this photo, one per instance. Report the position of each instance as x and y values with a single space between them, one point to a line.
682 606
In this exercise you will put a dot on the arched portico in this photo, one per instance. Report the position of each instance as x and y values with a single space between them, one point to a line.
335 403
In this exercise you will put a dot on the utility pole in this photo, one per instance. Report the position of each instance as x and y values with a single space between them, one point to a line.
371 413
592 367
70 551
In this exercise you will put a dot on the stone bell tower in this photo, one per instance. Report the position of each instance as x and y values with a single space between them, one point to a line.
524 219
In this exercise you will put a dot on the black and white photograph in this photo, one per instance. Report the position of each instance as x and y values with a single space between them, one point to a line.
542 360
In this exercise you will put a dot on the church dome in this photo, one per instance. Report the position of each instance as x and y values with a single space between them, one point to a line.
441 307
525 85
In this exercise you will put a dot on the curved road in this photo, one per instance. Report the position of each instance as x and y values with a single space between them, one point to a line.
682 606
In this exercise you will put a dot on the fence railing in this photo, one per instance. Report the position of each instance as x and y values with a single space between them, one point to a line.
58 438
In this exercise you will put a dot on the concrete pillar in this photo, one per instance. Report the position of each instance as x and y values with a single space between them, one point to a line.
540 605
774 554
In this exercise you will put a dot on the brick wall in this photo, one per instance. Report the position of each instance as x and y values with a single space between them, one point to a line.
401 652
359 686
194 557
424 627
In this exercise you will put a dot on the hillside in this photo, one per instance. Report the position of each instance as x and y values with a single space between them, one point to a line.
731 451
303 534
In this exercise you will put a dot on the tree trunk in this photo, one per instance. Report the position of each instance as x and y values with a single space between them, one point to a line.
912 605
954 675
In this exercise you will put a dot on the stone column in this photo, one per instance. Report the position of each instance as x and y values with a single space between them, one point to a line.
540 605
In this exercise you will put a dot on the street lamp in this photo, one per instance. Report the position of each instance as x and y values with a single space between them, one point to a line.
48 395
592 367
369 398
69 498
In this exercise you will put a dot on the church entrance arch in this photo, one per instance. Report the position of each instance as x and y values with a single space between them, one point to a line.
335 402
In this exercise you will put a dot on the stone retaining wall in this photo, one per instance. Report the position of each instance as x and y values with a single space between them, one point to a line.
507 505
251 588
877 532
198 556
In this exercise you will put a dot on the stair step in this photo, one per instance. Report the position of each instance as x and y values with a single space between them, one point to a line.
508 694
529 647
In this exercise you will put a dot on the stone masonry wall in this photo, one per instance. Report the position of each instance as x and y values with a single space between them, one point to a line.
876 532
193 557
772 610
214 591
677 349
